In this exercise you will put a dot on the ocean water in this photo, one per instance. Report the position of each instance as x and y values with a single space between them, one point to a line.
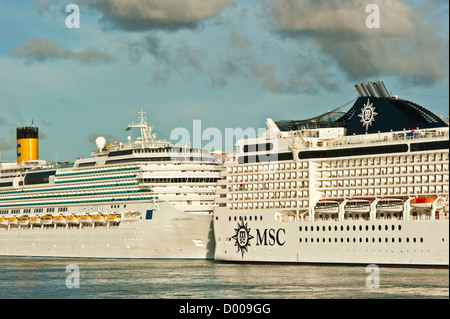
48 278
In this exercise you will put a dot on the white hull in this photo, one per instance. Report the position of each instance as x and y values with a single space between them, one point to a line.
169 233
392 242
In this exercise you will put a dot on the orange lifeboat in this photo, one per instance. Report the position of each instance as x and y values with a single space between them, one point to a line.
423 202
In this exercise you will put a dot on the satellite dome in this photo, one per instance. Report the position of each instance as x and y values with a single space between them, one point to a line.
100 142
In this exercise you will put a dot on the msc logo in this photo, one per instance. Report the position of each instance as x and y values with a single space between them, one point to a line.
266 237
242 238
270 237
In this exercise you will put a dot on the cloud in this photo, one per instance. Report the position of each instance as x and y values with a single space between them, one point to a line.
293 73
403 46
139 15
41 49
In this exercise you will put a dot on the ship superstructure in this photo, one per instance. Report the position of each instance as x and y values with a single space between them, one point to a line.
143 199
366 186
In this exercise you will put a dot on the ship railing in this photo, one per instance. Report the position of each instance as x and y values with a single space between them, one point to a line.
383 138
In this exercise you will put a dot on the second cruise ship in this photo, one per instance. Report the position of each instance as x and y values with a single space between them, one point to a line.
141 199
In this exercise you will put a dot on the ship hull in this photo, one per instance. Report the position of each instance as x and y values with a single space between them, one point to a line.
381 242
165 233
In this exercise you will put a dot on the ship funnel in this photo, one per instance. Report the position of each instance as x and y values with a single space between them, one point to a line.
372 89
27 143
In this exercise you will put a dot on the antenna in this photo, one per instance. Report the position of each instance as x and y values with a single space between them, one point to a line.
146 131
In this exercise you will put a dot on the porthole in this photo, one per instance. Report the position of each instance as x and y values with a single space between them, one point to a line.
306 228
329 228
348 227
335 228
300 228
360 227
379 227
373 227
421 239
386 239
354 227
348 240
342 228
399 227
414 239
323 228
393 239
312 228
386 227
318 228
399 240
393 227
300 240
407 240
367 228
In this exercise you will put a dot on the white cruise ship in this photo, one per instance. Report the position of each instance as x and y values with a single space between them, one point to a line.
141 199
369 186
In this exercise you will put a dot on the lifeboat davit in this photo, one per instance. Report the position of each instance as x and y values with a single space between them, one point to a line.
3 221
73 220
35 220
327 207
357 206
99 219
86 219
23 220
60 220
423 202
390 205
47 219
113 218
12 220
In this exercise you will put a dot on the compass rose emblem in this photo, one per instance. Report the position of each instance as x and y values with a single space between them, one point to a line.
367 114
242 238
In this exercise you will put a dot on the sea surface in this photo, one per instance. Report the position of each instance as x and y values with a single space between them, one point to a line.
48 278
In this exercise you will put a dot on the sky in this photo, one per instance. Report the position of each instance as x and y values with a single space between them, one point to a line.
229 64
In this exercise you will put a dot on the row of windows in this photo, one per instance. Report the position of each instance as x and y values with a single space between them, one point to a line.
342 228
29 210
386 240
181 180
385 160
267 167
162 159
245 218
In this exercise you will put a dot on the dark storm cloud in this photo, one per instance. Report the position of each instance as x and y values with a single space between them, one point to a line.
403 46
139 15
